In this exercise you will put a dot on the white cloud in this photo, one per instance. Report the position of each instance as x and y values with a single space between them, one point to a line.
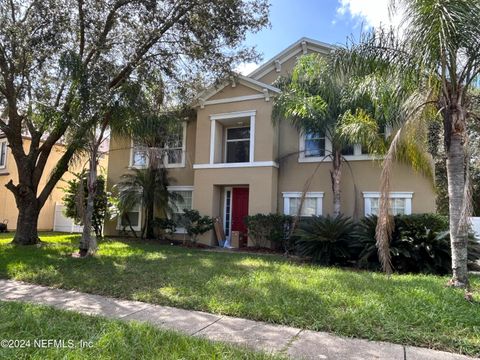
246 68
371 13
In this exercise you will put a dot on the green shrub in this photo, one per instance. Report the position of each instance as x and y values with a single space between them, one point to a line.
420 244
165 226
274 228
195 224
326 240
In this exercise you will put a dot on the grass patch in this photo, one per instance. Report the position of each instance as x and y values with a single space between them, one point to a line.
406 309
109 339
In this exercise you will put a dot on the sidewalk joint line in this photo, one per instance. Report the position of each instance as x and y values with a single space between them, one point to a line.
291 341
196 332
134 312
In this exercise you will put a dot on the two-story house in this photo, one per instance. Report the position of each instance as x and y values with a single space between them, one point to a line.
232 161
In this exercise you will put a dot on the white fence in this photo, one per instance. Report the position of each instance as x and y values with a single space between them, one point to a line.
62 223
476 226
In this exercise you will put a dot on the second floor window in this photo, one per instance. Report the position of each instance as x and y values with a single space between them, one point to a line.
314 144
172 152
3 153
139 155
237 145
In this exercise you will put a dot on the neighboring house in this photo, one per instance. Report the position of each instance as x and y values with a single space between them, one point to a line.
232 161
8 171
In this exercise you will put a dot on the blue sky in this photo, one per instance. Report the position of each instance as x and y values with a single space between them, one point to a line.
330 21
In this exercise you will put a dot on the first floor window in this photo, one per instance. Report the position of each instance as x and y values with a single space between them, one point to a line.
3 153
180 201
131 218
400 203
312 203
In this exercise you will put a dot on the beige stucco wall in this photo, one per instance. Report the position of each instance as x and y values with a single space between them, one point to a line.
209 184
119 161
233 91
8 208
362 174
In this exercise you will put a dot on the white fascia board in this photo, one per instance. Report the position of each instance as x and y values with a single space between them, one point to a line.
288 53
297 194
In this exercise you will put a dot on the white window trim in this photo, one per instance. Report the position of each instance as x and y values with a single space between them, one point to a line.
136 228
301 154
132 154
236 165
296 195
181 230
407 195
4 166
232 115
165 164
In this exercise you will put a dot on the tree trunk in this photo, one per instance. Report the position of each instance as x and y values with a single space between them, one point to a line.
88 243
456 188
336 174
28 212
149 221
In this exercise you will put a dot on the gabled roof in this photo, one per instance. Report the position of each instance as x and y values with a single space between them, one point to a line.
240 79
299 46
252 80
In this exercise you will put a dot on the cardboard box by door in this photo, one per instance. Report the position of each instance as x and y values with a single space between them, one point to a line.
235 243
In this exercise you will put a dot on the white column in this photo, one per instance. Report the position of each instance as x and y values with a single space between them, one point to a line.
212 140
252 138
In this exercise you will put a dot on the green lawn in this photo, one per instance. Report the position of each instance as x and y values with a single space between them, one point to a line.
406 309
105 339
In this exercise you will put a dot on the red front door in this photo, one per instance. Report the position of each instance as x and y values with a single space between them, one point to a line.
239 209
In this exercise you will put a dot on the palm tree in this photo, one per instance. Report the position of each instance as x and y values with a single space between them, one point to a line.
152 128
437 52
148 187
315 99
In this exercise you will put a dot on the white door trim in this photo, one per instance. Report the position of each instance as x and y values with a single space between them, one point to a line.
228 237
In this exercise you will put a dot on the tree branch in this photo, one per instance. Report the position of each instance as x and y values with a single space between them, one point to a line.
143 49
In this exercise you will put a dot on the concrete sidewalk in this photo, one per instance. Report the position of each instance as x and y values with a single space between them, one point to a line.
297 343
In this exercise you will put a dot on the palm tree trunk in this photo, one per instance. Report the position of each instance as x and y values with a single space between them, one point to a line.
336 175
149 222
456 188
